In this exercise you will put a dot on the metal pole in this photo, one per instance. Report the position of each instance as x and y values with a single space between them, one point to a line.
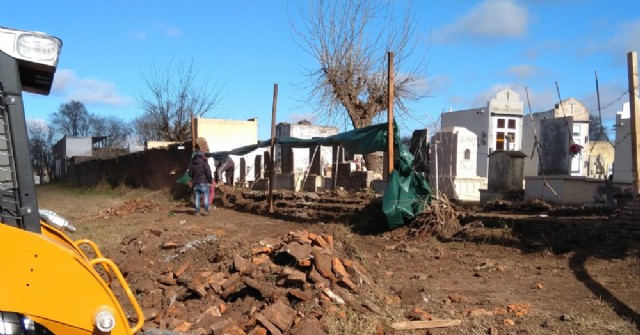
273 141
435 148
335 169
390 116
632 59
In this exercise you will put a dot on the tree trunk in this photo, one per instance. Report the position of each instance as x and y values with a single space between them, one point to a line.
374 162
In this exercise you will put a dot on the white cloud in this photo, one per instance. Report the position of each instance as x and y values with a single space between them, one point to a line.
297 117
89 91
41 123
169 31
138 35
524 71
491 18
627 37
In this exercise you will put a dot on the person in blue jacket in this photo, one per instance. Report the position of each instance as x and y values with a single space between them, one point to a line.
201 177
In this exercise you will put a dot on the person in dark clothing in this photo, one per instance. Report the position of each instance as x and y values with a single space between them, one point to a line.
200 174
226 167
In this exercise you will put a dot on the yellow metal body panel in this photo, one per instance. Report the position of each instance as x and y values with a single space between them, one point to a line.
47 278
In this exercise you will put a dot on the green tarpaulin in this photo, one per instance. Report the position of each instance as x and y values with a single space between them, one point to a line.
406 192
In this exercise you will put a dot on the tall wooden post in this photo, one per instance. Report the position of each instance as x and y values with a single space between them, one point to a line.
193 132
272 149
390 114
632 60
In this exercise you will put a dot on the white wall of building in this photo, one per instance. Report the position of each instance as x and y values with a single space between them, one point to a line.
78 146
455 151
493 125
301 157
225 135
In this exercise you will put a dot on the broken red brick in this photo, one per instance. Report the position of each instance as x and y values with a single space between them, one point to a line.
260 259
329 239
317 278
419 314
182 269
323 264
347 263
258 331
261 250
302 295
297 250
197 285
183 327
169 245
304 263
234 279
241 264
211 311
280 315
318 240
338 268
267 324
300 236
294 275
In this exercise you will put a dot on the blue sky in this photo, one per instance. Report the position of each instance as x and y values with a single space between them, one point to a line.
473 48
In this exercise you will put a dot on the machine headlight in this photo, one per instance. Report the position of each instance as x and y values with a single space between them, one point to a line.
10 323
105 321
38 48
31 46
29 325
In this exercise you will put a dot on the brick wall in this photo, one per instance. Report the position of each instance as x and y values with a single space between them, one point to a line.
153 169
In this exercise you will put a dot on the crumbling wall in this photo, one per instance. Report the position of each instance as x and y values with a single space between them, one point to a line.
153 169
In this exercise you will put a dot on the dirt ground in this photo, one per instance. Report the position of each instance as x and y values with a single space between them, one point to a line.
239 273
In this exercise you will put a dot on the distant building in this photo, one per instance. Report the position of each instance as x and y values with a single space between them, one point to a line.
69 150
574 125
148 145
453 163
498 125
225 135
298 159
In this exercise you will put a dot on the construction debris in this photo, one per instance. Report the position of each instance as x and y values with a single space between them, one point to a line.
256 293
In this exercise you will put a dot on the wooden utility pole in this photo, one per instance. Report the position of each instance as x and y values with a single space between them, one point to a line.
193 132
632 59
390 114
272 149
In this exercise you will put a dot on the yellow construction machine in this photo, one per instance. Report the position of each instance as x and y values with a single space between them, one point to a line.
48 283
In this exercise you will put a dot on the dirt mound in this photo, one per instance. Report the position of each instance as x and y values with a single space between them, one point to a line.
195 286
137 205
323 206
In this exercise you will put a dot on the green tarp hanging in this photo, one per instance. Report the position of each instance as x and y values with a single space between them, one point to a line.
407 192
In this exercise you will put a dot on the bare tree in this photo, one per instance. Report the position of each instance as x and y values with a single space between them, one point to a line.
115 129
350 39
71 119
40 147
172 96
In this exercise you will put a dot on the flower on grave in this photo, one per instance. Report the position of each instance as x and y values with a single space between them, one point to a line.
575 149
